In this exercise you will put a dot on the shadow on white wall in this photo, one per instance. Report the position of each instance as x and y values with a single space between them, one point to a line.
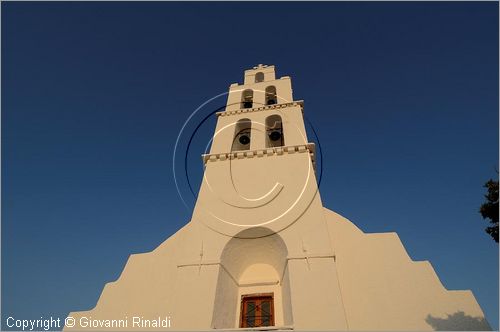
458 321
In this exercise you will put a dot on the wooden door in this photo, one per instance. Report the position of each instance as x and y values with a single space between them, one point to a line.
257 310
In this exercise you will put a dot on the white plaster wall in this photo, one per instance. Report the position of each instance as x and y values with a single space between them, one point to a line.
226 302
378 287
259 226
383 289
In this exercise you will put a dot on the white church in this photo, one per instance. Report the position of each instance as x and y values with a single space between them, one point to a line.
261 252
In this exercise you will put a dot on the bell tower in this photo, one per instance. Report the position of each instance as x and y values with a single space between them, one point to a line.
259 191
260 170
267 103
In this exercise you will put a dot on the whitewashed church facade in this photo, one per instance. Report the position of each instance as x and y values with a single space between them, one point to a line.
262 252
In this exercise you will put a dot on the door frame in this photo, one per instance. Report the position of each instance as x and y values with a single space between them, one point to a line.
256 295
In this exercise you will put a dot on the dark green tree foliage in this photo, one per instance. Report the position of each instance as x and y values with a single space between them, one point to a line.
489 209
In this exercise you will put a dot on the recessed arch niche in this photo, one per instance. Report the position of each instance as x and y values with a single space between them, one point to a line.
249 266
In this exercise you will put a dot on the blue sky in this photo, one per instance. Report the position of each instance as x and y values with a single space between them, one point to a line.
403 97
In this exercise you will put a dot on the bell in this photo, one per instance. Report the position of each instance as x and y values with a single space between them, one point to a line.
244 139
275 135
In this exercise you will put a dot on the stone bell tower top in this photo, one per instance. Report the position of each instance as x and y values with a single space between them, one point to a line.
260 88
260 73
259 114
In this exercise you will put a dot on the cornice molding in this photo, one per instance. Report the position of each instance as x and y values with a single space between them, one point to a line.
262 108
259 153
